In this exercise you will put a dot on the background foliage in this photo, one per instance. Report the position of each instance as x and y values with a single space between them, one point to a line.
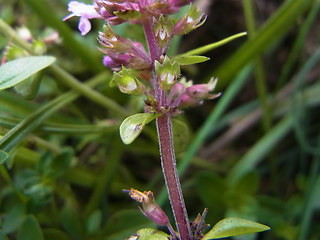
254 153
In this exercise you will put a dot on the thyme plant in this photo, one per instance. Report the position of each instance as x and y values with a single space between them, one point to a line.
156 76
139 72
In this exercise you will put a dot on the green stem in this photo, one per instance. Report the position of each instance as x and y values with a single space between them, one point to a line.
105 177
13 36
21 130
259 70
298 44
65 78
275 28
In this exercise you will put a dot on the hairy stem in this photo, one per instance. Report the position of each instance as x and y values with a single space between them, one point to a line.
169 169
164 128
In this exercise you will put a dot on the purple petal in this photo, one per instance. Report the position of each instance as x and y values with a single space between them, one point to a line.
83 10
84 25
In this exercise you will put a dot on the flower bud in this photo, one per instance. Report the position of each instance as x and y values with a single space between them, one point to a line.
191 21
179 88
13 52
195 94
128 82
187 101
149 207
167 73
202 91
116 61
163 30
110 40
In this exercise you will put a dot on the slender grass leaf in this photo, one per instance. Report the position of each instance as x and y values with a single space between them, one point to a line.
273 30
14 72
188 60
211 46
260 149
3 156
15 135
132 126
30 230
233 226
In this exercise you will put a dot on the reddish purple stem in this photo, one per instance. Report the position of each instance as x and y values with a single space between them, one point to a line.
168 161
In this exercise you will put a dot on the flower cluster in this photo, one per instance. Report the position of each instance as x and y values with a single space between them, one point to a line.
118 11
136 71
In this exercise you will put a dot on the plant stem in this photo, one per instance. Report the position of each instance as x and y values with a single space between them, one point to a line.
164 128
169 169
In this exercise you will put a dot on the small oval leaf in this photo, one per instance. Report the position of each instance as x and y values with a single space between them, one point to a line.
54 234
188 60
180 135
149 234
30 230
234 226
13 72
71 221
132 126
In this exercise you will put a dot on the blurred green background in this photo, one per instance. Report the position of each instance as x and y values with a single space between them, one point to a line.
253 153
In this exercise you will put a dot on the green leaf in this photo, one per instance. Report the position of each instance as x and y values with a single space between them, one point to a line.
3 156
3 236
61 163
15 71
70 220
149 234
123 223
180 135
233 226
272 31
14 218
132 126
54 234
30 230
94 222
188 60
29 87
211 46
260 149
127 14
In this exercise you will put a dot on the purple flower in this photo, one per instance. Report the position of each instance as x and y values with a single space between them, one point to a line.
118 11
85 12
